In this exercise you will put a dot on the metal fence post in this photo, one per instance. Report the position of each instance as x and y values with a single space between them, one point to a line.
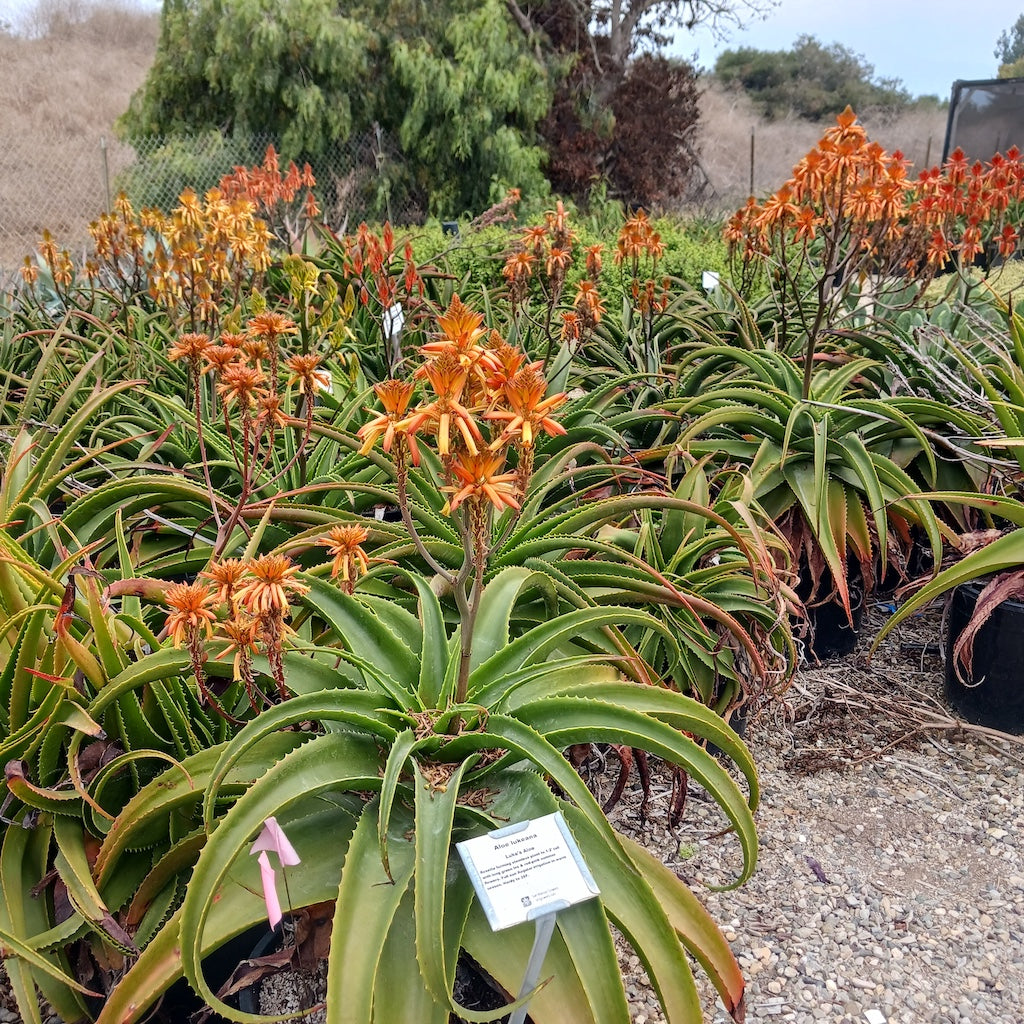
106 171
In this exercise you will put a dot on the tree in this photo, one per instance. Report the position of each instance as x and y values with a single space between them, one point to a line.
810 80
621 113
615 31
1009 50
455 82
292 70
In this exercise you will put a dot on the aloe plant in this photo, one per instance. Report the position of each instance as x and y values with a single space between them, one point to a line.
443 691
442 771
828 469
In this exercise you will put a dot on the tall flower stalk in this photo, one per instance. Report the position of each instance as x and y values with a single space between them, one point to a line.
481 409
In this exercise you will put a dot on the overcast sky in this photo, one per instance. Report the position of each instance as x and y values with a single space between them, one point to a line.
926 43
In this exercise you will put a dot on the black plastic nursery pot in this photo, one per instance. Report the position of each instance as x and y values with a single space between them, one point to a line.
830 633
992 693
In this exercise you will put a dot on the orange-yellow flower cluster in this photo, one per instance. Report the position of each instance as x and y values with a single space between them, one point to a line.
254 597
480 399
850 188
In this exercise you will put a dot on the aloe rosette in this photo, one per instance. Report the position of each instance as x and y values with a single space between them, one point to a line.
375 798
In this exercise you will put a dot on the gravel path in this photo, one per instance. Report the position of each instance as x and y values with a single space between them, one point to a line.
890 882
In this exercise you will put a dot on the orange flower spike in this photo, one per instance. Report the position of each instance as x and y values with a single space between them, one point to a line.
571 327
307 374
242 636
518 266
218 359
481 478
345 544
588 302
1008 241
269 585
190 347
191 614
461 328
528 409
557 262
447 378
270 412
778 211
535 240
271 326
240 384
226 575
507 359
806 224
256 350
395 396
594 260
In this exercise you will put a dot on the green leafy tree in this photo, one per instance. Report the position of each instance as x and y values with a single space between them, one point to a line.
811 80
293 70
470 96
1009 50
455 82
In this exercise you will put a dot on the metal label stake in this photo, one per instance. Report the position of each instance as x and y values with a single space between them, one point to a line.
544 922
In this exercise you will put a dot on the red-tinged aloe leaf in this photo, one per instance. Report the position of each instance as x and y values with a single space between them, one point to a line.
695 927
859 534
800 479
72 863
563 721
1006 586
43 799
152 590
1005 553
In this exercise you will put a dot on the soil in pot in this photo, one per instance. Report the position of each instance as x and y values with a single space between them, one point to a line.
294 988
992 692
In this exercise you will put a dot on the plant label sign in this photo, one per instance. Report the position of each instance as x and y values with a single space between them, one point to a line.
525 869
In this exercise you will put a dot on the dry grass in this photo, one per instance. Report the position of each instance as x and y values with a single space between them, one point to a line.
64 82
74 64
728 118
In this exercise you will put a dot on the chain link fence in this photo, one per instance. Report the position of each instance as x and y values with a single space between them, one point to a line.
50 181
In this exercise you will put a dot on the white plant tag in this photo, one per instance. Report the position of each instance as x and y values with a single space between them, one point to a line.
522 868
709 280
393 321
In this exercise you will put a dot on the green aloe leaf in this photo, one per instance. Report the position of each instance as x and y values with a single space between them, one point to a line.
536 643
368 900
335 763
635 910
693 924
435 804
